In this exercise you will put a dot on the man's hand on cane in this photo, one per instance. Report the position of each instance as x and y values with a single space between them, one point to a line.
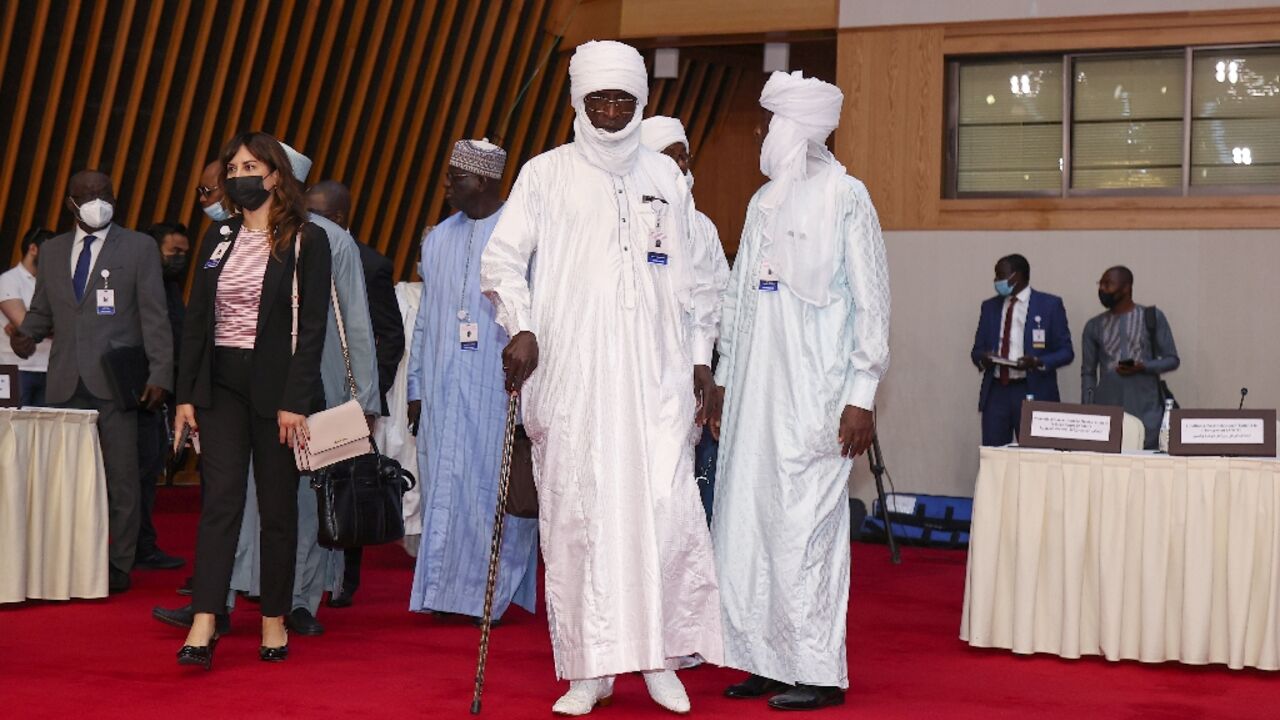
520 359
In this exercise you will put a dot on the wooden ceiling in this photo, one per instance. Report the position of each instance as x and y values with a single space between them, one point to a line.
375 92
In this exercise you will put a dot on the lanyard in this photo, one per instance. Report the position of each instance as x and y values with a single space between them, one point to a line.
463 313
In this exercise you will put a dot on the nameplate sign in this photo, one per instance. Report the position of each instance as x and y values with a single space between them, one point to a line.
10 390
1063 426
1249 433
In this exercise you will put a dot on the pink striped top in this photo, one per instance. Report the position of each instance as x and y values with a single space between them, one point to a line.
240 290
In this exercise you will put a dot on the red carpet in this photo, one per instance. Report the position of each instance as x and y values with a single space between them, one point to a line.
109 659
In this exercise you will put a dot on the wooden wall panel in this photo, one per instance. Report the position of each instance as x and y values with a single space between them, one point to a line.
892 136
374 92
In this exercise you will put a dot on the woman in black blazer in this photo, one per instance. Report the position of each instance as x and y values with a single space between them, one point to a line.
249 387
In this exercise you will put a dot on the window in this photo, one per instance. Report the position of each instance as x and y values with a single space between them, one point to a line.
1010 126
1166 122
1235 118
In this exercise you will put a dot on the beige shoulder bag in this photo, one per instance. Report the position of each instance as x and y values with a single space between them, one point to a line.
339 433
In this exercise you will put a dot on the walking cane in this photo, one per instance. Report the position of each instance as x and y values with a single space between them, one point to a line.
495 551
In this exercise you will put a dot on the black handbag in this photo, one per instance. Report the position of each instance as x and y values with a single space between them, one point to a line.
361 501
522 493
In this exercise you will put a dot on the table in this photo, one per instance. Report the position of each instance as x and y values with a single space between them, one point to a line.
53 505
1136 556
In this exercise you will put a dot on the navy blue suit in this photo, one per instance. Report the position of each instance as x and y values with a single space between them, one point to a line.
1001 405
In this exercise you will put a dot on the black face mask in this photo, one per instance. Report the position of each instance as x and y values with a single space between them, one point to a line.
1108 300
175 266
247 192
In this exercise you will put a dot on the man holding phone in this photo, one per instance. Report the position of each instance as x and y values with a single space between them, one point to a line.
1022 340
1126 350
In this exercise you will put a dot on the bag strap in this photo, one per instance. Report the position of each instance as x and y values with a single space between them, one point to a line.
1149 319
337 314
297 254
342 337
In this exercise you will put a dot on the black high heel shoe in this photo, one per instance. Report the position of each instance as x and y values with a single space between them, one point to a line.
275 654
202 656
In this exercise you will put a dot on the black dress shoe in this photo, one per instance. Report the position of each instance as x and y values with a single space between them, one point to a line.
807 697
118 581
754 687
183 617
342 600
202 656
158 559
301 621
186 587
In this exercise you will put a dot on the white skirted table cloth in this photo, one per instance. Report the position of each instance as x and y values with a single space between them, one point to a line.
1136 556
53 506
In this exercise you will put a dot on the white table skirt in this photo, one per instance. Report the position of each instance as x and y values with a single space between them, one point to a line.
1132 557
53 505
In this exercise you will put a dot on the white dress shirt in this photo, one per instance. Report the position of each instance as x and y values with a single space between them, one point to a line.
94 249
18 284
1017 328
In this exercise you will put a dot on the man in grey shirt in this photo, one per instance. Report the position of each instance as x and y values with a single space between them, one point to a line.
1126 350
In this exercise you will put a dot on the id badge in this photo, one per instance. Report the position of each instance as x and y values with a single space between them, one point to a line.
107 302
216 257
768 278
657 248
469 335
1038 338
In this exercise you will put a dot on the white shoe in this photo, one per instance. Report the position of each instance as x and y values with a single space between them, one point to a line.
686 662
667 690
584 696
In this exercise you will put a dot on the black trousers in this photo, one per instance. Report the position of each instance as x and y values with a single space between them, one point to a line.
118 436
230 433
152 441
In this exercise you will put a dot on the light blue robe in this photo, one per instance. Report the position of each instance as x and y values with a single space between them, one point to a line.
461 433
780 524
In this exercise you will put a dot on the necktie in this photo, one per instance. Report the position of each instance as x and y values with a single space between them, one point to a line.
1004 341
81 276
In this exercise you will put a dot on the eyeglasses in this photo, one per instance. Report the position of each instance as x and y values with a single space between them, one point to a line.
204 191
600 102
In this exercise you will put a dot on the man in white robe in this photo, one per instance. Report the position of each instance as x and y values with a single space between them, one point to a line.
618 314
804 341
666 135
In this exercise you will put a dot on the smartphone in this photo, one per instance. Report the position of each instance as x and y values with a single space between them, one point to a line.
180 442
1128 362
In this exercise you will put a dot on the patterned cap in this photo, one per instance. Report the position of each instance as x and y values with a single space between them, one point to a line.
479 157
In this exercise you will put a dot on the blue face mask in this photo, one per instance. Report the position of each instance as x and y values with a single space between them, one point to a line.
217 212
1005 287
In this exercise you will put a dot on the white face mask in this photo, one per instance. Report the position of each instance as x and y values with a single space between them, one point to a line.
96 213
217 213
688 178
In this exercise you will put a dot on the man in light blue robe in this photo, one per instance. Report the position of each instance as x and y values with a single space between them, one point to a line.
804 341
458 402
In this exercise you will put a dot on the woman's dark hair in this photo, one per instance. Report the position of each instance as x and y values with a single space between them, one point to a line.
35 236
288 210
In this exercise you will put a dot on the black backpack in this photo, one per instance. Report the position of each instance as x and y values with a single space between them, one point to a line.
1149 316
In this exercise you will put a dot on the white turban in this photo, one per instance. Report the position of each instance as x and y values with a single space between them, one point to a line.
607 65
301 164
805 111
660 132
798 227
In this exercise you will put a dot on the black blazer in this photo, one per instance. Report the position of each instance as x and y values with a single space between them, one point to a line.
384 312
282 379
